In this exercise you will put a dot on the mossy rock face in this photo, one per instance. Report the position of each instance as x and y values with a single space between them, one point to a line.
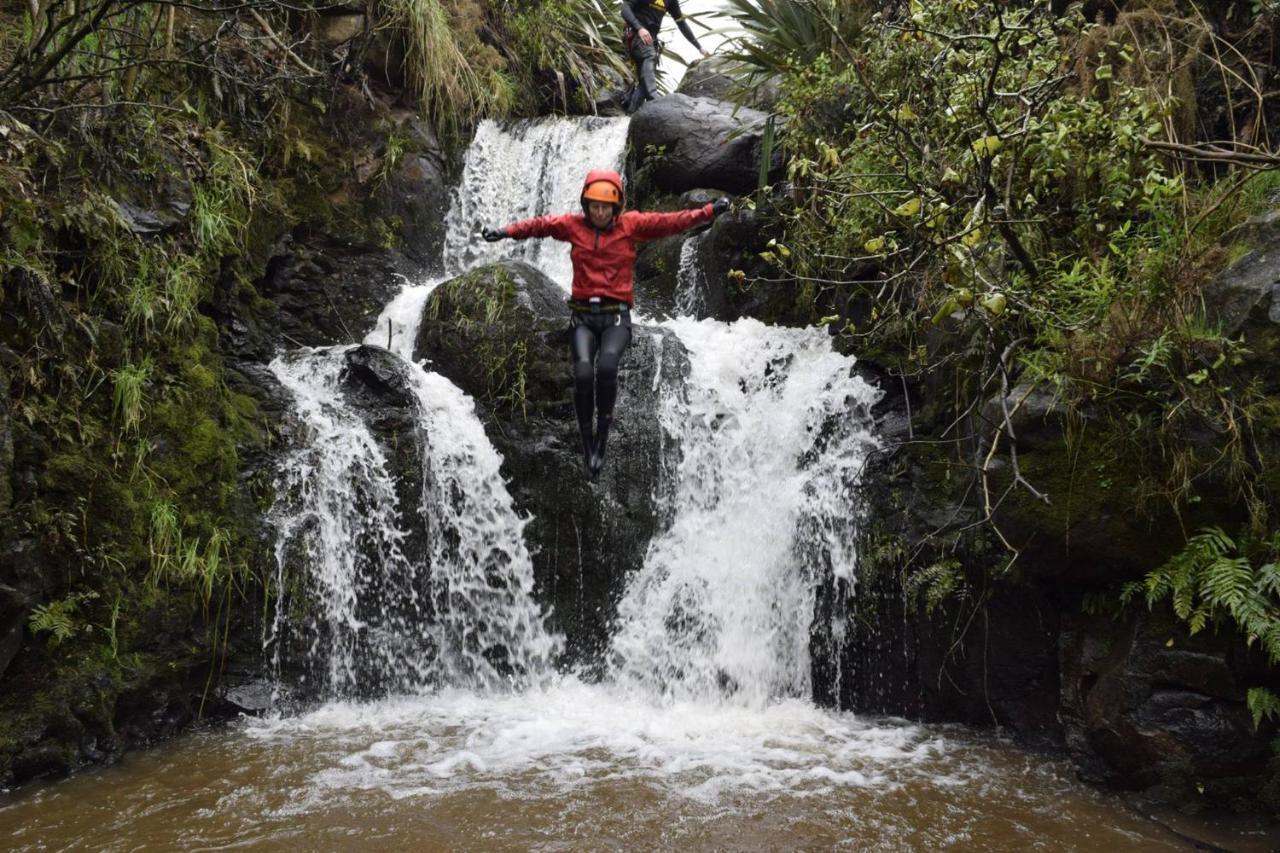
1092 525
1246 295
413 195
499 333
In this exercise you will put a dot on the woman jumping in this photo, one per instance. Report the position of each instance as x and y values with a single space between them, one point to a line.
604 240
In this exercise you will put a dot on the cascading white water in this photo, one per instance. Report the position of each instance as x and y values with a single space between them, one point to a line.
489 628
773 431
463 613
338 513
690 279
375 619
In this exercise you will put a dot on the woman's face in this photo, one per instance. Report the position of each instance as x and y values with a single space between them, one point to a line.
600 213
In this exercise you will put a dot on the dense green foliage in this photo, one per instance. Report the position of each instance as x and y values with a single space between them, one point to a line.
121 215
996 197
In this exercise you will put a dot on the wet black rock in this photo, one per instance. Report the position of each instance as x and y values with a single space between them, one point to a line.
6 446
587 537
328 291
685 143
715 271
717 77
156 209
376 383
1147 707
45 759
13 615
255 696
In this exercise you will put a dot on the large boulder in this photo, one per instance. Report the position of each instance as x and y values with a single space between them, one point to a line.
499 333
685 143
1146 706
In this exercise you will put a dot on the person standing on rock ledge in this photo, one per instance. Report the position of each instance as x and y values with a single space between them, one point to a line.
603 239
644 19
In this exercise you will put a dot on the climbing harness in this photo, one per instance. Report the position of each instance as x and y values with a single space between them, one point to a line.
596 305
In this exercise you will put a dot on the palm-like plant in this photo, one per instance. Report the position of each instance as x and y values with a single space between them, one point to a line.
779 32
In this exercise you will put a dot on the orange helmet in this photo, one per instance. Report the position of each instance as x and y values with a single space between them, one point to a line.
603 185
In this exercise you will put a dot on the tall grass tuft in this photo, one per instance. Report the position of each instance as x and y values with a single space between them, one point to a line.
457 76
130 392
576 40
178 559
140 296
182 291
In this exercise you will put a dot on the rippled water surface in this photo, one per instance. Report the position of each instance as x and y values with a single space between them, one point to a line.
576 767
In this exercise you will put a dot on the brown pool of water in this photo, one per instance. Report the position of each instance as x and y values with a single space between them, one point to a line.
552 777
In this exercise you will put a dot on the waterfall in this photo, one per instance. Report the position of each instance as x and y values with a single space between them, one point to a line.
489 627
337 514
690 279
366 617
773 430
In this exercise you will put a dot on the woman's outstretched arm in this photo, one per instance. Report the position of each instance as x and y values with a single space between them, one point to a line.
652 226
556 227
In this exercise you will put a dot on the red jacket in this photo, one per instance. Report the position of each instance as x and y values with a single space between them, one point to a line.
604 261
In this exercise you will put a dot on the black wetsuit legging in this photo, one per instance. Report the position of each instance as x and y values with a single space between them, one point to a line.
645 57
596 344
648 15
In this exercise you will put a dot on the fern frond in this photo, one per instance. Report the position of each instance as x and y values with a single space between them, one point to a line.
60 619
1269 579
1130 591
1198 619
1263 704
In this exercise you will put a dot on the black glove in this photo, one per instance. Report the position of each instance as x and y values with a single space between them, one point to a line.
493 235
719 206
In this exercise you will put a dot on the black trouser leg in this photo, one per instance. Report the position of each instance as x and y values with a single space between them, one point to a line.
613 343
582 347
646 62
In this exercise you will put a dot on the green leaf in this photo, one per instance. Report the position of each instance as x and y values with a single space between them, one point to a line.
987 146
908 208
